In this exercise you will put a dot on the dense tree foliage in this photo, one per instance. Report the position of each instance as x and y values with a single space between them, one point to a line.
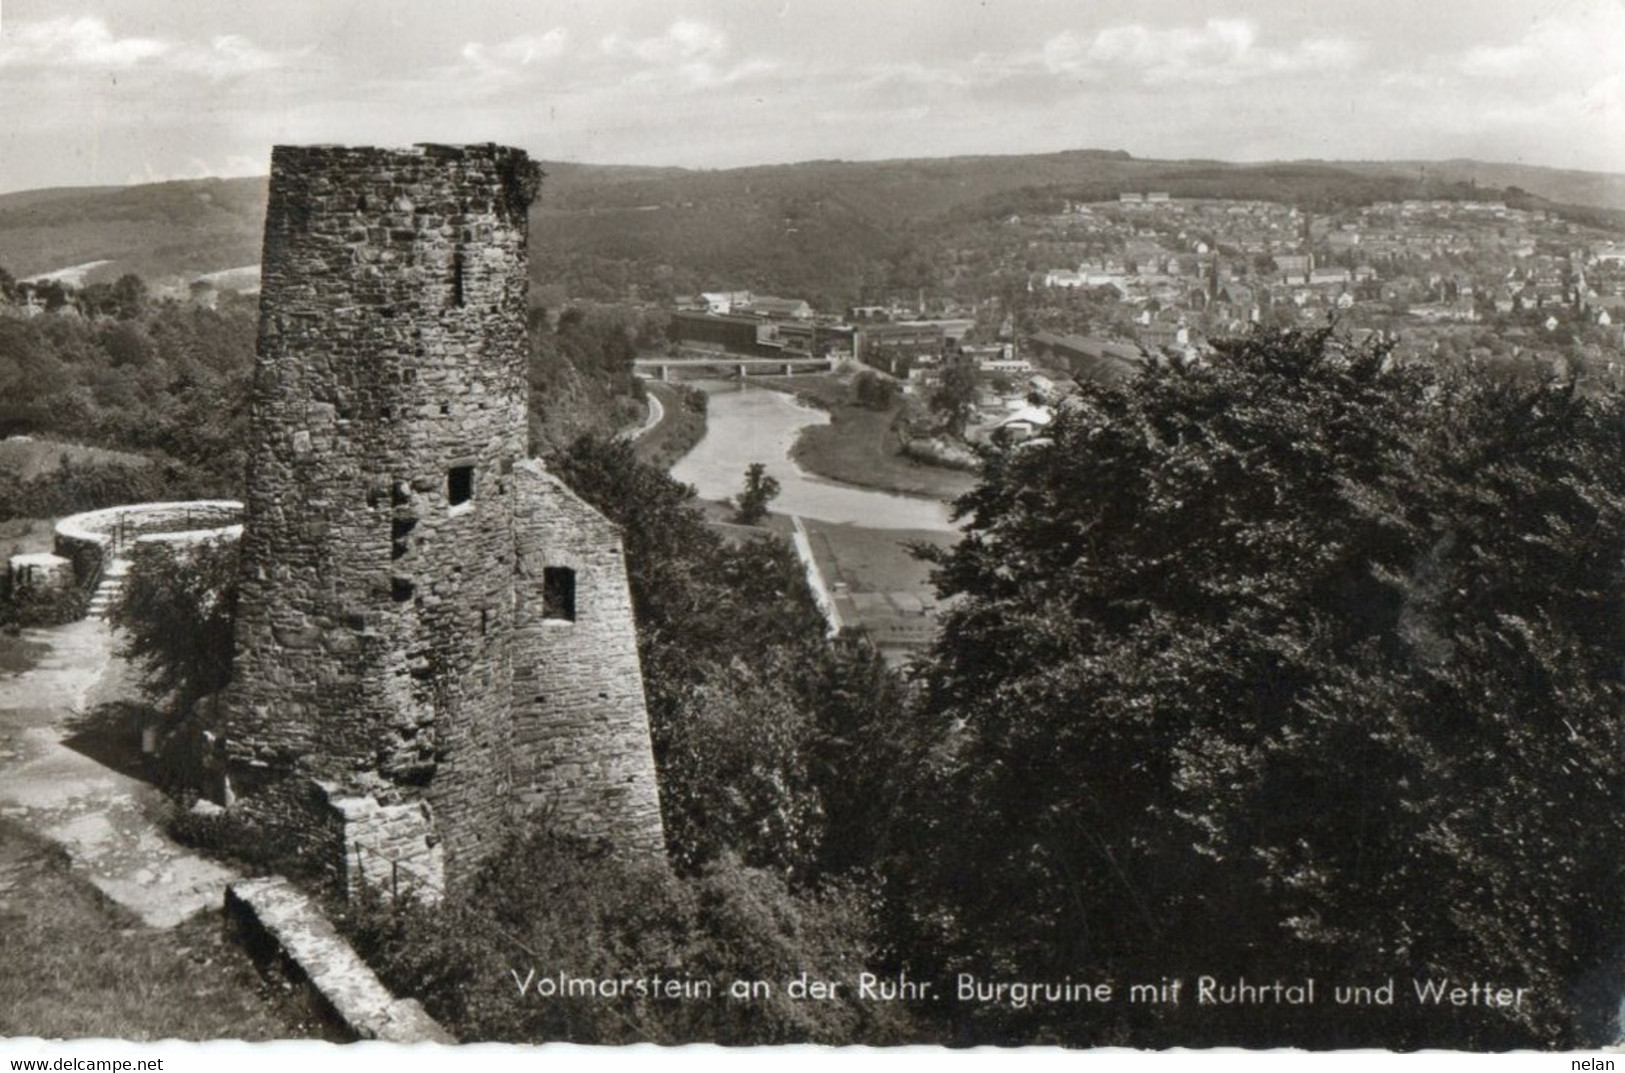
166 379
1294 663
79 486
874 391
175 615
484 962
581 370
955 395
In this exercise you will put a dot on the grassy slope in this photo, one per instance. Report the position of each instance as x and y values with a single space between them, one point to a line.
676 434
156 230
77 966
859 447
877 560
30 458
1594 188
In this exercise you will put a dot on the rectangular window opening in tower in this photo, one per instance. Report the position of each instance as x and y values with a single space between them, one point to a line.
459 485
558 594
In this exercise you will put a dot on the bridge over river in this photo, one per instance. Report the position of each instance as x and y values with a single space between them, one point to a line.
775 366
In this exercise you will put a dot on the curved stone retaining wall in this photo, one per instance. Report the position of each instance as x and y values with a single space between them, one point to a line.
88 540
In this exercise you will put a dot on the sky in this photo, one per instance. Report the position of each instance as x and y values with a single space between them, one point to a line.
107 92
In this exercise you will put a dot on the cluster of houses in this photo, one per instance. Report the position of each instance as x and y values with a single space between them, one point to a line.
1178 269
1020 385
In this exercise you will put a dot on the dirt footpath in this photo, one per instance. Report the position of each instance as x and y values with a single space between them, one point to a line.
55 780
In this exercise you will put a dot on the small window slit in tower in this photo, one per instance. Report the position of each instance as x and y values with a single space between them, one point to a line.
459 484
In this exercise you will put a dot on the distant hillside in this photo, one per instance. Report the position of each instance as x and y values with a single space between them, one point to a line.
1594 189
824 230
156 231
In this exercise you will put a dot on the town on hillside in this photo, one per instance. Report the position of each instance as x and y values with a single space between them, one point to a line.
1110 285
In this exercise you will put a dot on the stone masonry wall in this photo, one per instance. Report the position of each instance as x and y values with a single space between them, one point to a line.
582 754
400 656
392 848
388 410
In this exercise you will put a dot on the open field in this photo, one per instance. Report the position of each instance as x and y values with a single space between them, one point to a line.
29 458
878 583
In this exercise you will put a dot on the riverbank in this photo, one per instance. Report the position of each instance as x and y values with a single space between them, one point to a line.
858 537
860 446
681 424
749 424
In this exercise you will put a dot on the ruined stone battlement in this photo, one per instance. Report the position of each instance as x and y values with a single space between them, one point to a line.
390 547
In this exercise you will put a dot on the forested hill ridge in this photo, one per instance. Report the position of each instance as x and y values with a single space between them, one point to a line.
830 231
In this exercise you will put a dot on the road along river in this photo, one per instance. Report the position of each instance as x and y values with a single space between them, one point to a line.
748 424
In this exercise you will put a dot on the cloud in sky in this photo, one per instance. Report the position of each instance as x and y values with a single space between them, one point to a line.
686 41
87 44
1218 52
76 43
123 86
522 51
1553 48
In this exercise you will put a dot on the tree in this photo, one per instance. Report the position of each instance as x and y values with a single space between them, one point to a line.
557 902
750 506
176 613
53 294
862 735
129 296
1295 662
874 391
955 397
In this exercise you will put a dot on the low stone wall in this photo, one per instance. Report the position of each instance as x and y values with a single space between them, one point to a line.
391 848
88 540
101 531
278 923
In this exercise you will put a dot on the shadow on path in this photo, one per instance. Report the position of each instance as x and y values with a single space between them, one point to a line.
70 771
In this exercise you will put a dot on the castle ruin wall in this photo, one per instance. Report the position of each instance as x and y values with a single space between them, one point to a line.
581 730
378 624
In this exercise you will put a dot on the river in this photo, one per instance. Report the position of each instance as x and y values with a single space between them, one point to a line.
752 424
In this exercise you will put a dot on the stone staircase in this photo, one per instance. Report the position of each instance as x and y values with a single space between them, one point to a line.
108 589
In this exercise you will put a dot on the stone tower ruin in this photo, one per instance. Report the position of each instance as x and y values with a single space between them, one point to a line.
432 631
